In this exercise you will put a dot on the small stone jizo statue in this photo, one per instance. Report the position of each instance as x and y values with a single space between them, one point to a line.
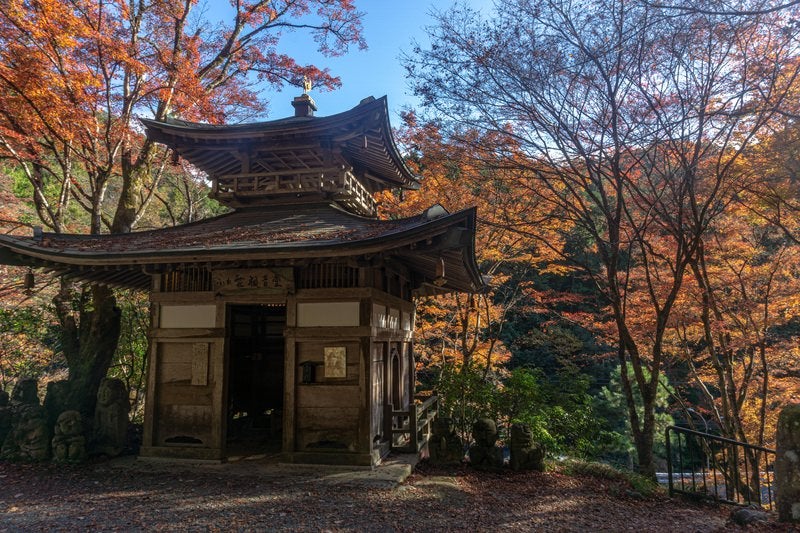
26 391
483 453
29 439
445 446
69 444
29 436
525 454
111 418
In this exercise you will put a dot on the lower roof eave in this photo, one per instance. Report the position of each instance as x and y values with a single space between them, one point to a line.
290 250
208 256
453 232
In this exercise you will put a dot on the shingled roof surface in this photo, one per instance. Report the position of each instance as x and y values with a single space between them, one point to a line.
279 232
274 228
322 225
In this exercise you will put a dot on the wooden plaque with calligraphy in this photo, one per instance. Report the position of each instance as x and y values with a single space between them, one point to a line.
244 279
335 362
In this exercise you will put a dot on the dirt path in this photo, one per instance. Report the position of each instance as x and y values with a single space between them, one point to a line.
115 496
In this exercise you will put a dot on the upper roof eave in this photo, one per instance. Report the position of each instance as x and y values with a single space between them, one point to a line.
173 132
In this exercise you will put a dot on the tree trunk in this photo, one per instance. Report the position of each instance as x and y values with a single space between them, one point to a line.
89 337
642 427
644 453
645 438
134 175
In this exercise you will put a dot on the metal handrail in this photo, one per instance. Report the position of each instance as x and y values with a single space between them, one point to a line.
720 438
721 480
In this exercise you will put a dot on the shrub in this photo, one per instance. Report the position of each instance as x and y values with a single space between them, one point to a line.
558 411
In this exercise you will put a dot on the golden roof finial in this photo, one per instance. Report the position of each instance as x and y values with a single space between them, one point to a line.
306 84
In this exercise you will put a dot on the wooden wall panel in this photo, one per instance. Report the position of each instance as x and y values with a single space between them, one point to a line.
328 314
188 316
187 394
327 396
328 418
184 425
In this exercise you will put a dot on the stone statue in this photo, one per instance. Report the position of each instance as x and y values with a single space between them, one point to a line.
111 418
29 439
69 444
56 400
787 464
5 417
483 453
26 391
525 454
445 447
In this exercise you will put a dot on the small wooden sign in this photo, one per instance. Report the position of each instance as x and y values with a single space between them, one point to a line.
243 279
200 363
335 362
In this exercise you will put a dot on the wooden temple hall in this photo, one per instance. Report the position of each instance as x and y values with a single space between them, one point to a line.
286 325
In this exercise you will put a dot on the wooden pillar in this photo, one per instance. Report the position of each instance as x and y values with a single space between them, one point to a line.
365 380
220 357
152 366
289 378
365 393
387 396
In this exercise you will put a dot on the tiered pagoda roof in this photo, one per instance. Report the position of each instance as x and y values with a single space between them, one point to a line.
301 189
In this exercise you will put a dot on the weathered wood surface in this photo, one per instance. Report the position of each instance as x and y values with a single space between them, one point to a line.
325 395
327 418
184 421
185 394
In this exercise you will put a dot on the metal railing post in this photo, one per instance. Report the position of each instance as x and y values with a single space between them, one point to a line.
669 459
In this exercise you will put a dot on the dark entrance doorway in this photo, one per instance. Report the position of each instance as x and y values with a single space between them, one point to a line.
255 382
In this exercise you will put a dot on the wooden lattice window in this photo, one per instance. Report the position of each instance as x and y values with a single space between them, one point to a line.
328 276
188 279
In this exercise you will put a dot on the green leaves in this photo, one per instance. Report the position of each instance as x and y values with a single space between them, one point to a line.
559 410
28 344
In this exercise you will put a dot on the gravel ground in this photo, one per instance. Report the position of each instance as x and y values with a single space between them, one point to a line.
125 495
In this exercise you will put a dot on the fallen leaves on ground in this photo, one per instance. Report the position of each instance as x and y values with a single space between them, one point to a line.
102 496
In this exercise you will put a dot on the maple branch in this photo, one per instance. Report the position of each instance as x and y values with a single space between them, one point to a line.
693 9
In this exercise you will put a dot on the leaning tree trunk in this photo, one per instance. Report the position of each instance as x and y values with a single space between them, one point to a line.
89 336
90 330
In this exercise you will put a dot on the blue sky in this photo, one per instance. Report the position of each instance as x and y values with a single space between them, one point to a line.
389 28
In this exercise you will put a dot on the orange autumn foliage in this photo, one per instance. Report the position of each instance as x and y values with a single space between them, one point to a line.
75 74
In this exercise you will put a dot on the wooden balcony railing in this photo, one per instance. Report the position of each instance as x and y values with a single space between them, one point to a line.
411 429
341 185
